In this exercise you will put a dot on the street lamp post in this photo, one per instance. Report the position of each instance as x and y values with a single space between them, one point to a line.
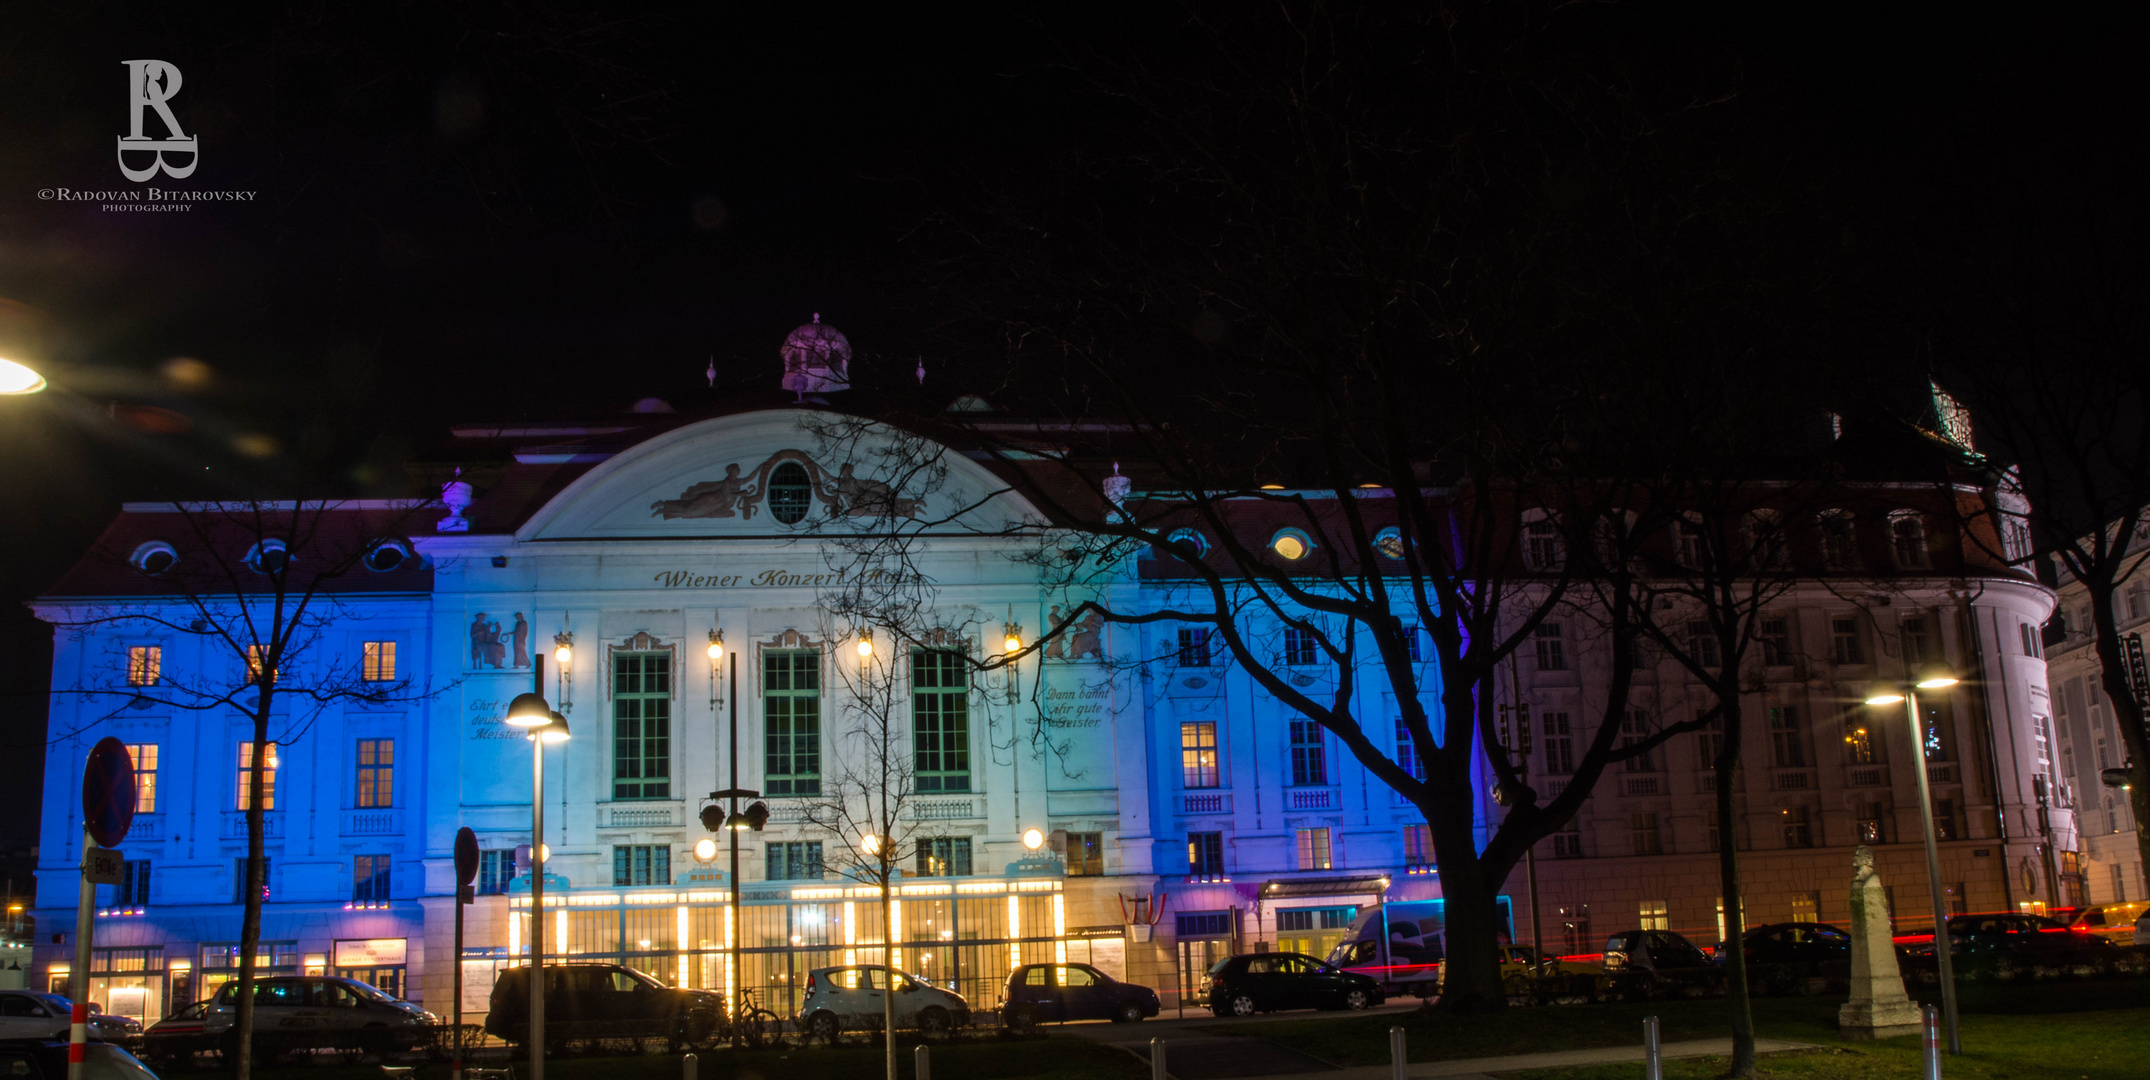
529 711
1944 945
714 818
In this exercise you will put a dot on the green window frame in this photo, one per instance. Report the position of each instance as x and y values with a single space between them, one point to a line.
940 721
791 721
642 725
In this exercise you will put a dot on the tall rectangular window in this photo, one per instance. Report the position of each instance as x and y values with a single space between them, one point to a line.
1551 649
1655 915
1798 827
1542 545
1862 742
145 665
144 756
1918 643
940 721
1205 854
133 888
1806 906
1945 819
376 773
1314 849
794 860
1194 647
1840 549
641 864
255 662
377 661
1299 649
1418 845
1559 744
496 867
1309 765
642 726
1907 536
268 777
1787 744
238 892
1407 751
1871 827
1414 638
1198 754
2030 639
1709 743
1568 842
944 856
1642 829
1635 729
1702 643
1086 854
791 714
1776 638
1844 644
369 878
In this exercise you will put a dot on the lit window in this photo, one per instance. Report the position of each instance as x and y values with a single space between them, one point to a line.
1086 854
378 662
1291 545
269 763
254 665
940 721
144 756
1205 854
1389 543
1198 754
145 665
376 773
1655 915
1314 849
944 856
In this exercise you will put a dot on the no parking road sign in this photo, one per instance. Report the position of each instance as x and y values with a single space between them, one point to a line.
108 792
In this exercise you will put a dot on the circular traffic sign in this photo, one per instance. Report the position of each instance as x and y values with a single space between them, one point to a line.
466 856
108 792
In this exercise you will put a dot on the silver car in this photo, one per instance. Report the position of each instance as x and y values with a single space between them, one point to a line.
28 1014
851 999
299 1011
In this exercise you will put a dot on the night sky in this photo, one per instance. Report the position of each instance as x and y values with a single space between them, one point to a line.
481 211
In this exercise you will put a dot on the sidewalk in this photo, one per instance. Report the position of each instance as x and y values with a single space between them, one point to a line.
1478 1068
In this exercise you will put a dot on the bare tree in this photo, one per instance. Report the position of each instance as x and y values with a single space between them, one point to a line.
260 586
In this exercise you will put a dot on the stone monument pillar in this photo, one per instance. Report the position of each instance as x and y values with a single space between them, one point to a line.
1879 1008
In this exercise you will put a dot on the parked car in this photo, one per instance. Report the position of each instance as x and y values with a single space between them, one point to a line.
29 1014
297 1012
1056 993
46 1059
1645 963
843 999
178 1037
2120 924
596 1001
1264 982
2004 945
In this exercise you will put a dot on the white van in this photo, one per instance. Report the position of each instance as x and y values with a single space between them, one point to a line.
1400 944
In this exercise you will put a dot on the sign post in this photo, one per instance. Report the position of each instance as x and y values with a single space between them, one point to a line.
107 813
466 871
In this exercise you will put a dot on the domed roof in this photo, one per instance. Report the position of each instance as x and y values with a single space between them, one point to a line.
817 359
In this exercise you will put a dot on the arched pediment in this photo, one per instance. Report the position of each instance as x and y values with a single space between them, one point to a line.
777 473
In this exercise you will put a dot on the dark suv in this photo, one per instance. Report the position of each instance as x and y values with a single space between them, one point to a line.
1262 982
599 1001
1049 993
1644 963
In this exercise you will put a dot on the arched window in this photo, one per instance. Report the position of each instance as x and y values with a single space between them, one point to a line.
791 493
1840 546
1543 549
1764 533
1907 539
1687 541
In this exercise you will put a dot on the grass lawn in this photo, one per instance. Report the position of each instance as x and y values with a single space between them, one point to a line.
2062 1030
1040 1059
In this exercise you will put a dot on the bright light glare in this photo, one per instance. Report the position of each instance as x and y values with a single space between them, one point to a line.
17 379
705 849
871 843
1290 547
716 651
1885 698
1013 644
1032 838
1937 682
865 646
562 655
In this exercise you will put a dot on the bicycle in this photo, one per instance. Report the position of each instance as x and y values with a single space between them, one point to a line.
757 1028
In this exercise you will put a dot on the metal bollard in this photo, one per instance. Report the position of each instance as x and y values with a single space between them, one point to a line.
688 1066
1653 1051
922 1063
1157 1060
1399 1061
1931 1018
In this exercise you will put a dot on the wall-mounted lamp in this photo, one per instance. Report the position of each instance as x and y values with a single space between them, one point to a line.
865 644
563 655
1012 637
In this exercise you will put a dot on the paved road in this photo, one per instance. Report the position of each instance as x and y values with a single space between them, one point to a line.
1192 1054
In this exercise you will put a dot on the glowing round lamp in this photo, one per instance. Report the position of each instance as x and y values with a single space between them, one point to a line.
865 644
17 379
562 655
705 849
1033 839
1014 643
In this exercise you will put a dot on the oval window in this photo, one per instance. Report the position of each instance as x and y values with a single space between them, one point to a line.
791 493
155 557
1188 542
386 556
1389 542
1291 545
269 557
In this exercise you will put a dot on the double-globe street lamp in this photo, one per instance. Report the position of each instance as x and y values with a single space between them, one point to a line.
530 712
1906 691
714 818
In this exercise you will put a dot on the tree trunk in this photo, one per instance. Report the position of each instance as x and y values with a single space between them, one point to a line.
2127 713
250 894
1735 928
1471 972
